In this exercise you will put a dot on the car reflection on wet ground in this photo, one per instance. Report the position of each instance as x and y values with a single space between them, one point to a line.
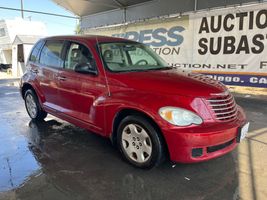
56 160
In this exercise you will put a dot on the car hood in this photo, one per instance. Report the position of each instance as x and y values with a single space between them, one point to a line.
168 82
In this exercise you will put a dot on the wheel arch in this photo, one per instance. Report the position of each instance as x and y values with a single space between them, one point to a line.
25 87
130 111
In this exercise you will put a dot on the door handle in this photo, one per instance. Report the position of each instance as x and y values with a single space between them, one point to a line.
34 68
61 78
35 71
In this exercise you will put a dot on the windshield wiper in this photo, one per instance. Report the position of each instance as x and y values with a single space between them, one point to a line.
162 68
145 70
131 70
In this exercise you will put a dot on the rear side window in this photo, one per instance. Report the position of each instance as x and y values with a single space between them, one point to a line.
51 54
35 51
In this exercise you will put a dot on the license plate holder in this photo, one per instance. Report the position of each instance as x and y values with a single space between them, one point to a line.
242 132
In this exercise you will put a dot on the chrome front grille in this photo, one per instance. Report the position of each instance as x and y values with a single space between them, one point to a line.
224 107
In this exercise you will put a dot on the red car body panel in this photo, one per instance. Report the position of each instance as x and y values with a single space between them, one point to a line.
93 102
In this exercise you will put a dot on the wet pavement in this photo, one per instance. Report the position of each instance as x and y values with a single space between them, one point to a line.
57 160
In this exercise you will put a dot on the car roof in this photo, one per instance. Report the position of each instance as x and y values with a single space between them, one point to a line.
88 38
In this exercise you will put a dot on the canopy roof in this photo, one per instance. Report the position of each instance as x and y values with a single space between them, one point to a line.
89 7
96 13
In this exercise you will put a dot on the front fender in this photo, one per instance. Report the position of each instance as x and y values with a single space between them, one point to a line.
146 103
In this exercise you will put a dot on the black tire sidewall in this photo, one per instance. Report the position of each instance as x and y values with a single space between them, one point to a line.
40 113
157 147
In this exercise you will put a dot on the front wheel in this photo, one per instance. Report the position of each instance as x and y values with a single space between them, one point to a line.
139 142
33 107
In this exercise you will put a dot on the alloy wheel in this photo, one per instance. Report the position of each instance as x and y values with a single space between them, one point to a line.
136 143
31 106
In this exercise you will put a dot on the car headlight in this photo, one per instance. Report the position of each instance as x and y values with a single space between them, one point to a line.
179 116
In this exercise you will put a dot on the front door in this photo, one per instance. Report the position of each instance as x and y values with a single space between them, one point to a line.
82 93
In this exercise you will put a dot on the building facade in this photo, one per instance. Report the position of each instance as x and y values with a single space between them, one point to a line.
9 30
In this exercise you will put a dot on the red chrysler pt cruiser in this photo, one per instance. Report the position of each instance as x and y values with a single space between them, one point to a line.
123 90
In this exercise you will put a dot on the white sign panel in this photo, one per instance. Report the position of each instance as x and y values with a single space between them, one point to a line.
229 45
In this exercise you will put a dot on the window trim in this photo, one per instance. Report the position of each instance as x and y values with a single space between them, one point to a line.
98 49
4 31
38 53
61 53
65 50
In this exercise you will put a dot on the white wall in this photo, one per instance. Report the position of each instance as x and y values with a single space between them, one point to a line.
27 50
5 42
19 26
24 27
2 57
14 61
15 27
19 68
5 56
12 28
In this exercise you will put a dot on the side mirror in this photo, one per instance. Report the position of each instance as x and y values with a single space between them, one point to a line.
85 68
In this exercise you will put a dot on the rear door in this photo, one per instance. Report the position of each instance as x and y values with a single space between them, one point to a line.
33 64
80 91
50 63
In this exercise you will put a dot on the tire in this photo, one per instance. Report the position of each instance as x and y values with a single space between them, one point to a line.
139 142
33 106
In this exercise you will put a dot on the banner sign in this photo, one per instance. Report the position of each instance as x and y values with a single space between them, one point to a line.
229 45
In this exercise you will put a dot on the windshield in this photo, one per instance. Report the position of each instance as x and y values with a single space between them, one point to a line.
130 56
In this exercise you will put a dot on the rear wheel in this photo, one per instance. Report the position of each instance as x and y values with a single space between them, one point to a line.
33 107
139 142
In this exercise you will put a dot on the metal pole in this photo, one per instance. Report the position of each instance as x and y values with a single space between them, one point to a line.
195 6
124 15
22 14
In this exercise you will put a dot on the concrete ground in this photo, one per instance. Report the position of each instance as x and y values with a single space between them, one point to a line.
57 160
5 75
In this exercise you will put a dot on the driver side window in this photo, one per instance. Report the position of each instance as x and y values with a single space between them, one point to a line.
78 54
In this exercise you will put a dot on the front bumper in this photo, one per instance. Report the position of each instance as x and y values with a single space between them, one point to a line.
204 142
